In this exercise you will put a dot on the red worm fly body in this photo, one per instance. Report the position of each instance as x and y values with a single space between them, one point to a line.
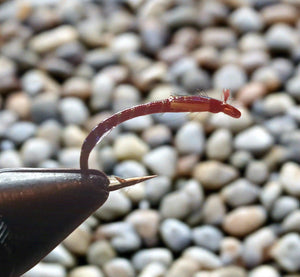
173 104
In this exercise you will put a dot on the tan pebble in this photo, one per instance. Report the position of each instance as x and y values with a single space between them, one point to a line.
207 57
77 87
231 250
183 267
290 178
244 220
86 271
20 103
229 271
280 13
186 164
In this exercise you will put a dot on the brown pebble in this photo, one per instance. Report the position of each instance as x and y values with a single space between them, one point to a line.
251 92
19 103
77 87
281 13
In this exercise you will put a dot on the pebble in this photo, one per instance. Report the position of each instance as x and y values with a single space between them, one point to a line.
49 270
244 220
130 146
292 87
284 67
49 40
286 252
100 58
207 57
129 168
256 247
157 135
280 38
126 42
125 96
154 269
50 130
279 13
255 139
79 240
277 104
175 234
229 76
190 139
119 267
218 37
264 270
162 160
204 258
240 159
182 267
157 188
269 193
235 271
268 76
36 150
69 157
291 222
251 92
208 237
214 210
219 145
290 178
76 87
100 253
240 193
246 19
60 255
283 206
145 257
73 136
146 224
214 174
10 159
86 271
20 103
73 111
21 131
230 250
116 205
195 79
252 42
257 172
72 52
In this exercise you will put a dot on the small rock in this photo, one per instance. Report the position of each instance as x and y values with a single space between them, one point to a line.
20 103
230 250
157 135
286 252
279 13
60 255
290 178
283 206
240 193
214 175
144 257
175 234
69 157
264 270
218 37
86 271
291 222
183 267
292 87
276 104
77 87
208 237
162 160
100 58
129 168
154 269
268 76
214 210
72 136
255 139
270 192
230 271
252 42
195 79
119 267
257 172
125 96
10 159
157 188
49 270
19 132
251 92
100 253
125 42
240 159
244 220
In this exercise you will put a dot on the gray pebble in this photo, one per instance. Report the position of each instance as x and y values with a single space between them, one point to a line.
240 159
268 76
190 138
157 135
195 79
100 58
280 125
293 86
125 96
61 256
291 222
7 118
10 159
162 160
50 130
229 76
252 41
130 168
100 252
270 192
255 139
277 104
119 267
154 269
230 250
157 188
208 237
284 67
175 234
246 19
73 111
218 37
20 131
286 252
214 210
106 158
240 193
36 150
126 42
283 206
69 157
144 257
257 172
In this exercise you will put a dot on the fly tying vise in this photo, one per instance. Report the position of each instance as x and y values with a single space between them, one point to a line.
39 208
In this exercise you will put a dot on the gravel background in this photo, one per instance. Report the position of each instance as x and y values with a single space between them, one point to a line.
226 202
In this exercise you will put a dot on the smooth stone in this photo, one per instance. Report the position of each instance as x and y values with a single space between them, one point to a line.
286 252
251 92
154 269
116 205
19 132
73 136
279 125
100 253
157 135
205 258
207 57
264 270
119 267
257 172
283 206
10 159
252 41
99 58
229 76
194 79
279 13
214 174
57 68
291 222
218 146
72 52
162 161
246 19
284 67
106 158
269 193
240 159
214 210
129 168
20 103
240 193
157 188
76 87
256 247
86 271
218 37
69 157
130 146
183 267
175 234
36 150
180 16
49 40
7 118
290 178
73 111
254 59
229 271
146 224
147 256
125 96
190 139
255 139
292 87
61 256
49 270
230 250
277 104
79 240
208 237
126 42
268 76
244 220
